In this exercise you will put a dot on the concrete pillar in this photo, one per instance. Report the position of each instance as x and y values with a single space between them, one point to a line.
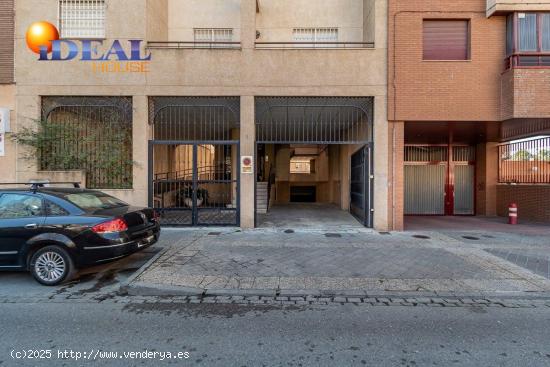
396 194
140 154
247 143
382 144
487 178
248 24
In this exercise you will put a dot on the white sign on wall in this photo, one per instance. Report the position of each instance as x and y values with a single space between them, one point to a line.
2 146
247 164
4 127
4 120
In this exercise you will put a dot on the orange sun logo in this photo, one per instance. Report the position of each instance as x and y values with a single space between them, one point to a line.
41 34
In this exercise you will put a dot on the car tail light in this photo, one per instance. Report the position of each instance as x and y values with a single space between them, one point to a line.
115 225
156 216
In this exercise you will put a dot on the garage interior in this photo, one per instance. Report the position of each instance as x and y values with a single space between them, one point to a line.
313 162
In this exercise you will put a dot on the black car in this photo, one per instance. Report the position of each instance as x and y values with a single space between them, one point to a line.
53 231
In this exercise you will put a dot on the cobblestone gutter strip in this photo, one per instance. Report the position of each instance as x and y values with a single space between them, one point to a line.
371 301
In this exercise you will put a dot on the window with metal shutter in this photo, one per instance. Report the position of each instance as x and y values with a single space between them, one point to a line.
7 34
446 39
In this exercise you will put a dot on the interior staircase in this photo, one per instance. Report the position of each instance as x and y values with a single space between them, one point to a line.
261 197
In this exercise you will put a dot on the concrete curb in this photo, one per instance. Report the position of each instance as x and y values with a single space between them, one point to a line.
150 289
124 285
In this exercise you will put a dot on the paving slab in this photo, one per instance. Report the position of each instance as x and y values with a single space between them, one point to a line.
267 261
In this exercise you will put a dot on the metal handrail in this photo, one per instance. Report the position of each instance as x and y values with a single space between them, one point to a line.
512 60
314 45
215 45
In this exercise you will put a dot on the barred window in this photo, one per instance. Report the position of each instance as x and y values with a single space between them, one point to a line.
93 134
206 35
82 18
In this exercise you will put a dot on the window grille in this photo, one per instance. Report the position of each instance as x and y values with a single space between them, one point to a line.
315 35
93 134
82 18
206 35
525 161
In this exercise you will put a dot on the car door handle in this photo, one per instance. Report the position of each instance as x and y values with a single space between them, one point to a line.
31 226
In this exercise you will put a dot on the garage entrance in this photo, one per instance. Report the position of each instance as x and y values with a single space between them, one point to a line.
313 155
193 179
440 180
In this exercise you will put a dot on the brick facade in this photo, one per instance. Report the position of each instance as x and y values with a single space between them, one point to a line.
533 201
444 90
525 93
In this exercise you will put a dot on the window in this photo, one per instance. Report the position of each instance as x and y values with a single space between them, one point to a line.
82 18
302 165
92 201
19 206
446 39
54 210
545 30
528 38
315 35
206 35
93 134
527 32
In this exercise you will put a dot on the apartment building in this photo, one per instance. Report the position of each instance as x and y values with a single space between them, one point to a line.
213 111
468 81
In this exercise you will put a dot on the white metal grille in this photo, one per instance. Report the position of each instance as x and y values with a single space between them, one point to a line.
205 35
315 35
82 18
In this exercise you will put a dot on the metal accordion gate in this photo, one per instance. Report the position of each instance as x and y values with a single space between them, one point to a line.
193 160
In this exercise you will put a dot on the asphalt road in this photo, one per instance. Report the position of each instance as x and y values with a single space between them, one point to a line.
232 335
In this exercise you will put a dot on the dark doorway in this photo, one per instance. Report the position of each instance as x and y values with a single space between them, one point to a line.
303 194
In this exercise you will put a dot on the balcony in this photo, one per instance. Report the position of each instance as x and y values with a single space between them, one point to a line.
525 93
303 24
499 7
265 24
191 24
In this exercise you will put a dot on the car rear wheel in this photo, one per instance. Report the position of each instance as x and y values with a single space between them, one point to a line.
51 265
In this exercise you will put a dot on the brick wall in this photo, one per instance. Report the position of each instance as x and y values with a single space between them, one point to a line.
444 90
533 201
526 93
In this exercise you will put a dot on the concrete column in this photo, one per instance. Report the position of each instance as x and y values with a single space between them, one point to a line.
487 179
248 24
247 143
396 151
382 146
140 154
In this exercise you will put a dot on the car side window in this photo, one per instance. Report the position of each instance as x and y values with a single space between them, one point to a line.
20 206
54 210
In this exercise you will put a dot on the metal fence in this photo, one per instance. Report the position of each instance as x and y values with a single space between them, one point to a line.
93 134
314 120
525 161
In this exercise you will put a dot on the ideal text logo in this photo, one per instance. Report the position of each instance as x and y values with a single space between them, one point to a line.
43 39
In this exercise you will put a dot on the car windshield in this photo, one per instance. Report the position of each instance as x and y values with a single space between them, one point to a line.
94 200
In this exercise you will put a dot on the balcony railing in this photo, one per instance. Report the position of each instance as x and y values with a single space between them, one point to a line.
214 45
527 60
314 45
525 161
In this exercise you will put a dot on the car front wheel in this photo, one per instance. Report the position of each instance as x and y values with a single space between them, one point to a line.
51 265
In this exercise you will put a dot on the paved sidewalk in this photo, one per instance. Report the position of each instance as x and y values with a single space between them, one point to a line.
350 262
